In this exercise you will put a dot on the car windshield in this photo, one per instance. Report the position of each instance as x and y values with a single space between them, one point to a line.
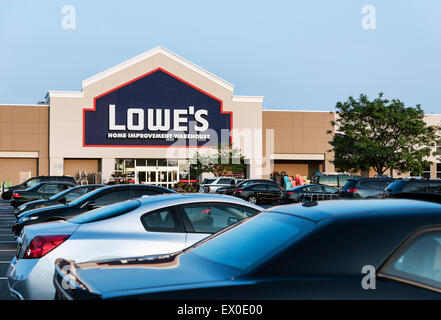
35 186
254 241
85 196
31 183
62 193
106 212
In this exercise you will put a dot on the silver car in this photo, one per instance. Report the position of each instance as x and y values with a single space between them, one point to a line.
144 226
210 185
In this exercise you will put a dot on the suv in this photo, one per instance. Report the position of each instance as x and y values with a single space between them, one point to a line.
243 183
336 180
210 185
413 186
7 193
365 188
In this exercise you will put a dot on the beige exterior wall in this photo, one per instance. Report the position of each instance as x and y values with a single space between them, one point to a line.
66 117
299 134
74 166
23 141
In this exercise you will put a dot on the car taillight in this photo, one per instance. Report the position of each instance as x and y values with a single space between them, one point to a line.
42 245
239 191
16 195
353 190
289 192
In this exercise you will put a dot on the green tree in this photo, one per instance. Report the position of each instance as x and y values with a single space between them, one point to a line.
381 134
224 160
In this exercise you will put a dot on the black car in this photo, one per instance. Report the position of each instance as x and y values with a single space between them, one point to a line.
62 197
7 193
367 249
311 192
414 185
259 192
230 189
92 200
43 190
365 188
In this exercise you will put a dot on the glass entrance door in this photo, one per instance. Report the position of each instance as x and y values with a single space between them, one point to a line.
167 177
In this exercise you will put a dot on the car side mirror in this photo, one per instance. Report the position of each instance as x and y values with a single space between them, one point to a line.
62 200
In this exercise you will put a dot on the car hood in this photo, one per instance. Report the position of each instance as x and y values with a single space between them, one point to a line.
38 211
149 274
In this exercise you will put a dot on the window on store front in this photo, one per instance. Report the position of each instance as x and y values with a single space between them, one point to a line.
426 173
162 162
129 163
438 170
141 162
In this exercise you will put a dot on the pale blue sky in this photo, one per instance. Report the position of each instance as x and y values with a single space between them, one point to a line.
298 54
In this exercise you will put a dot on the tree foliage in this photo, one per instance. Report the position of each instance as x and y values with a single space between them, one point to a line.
382 134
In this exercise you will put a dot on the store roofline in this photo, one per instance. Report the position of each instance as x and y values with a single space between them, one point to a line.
158 50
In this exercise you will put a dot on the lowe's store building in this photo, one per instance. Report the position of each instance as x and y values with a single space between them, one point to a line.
148 116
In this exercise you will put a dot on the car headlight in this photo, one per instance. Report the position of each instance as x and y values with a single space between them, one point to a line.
25 219
5 189
22 207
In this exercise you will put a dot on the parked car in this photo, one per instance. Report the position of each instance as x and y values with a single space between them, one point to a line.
336 180
413 185
92 200
333 250
311 192
148 225
210 185
7 193
230 189
365 188
43 190
260 192
61 197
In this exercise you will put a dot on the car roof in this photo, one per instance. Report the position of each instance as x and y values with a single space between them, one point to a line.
193 197
357 208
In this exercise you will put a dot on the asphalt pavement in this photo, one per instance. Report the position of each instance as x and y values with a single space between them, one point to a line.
7 245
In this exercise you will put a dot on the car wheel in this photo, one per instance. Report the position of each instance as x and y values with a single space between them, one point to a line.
252 199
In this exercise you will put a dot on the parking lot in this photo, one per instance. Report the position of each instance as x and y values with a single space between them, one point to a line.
7 246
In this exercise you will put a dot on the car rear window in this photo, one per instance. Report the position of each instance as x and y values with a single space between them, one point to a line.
106 212
350 184
208 181
331 180
395 186
415 186
247 244
225 181
375 184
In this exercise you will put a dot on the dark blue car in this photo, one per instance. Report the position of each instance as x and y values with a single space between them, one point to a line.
367 249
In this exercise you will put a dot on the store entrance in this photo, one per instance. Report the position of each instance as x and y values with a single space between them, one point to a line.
166 177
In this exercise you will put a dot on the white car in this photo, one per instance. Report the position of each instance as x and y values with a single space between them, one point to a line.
144 226
210 185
